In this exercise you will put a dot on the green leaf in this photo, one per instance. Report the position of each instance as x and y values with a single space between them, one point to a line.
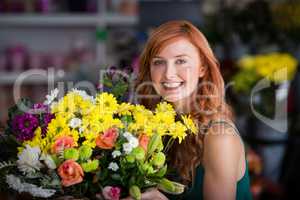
153 143
162 171
170 187
130 158
159 159
71 153
135 192
85 152
138 153
6 164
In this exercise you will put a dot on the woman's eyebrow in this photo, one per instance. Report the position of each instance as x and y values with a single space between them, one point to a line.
181 55
158 57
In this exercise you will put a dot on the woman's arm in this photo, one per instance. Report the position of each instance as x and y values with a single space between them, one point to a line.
222 156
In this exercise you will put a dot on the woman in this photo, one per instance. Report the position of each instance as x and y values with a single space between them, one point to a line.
178 65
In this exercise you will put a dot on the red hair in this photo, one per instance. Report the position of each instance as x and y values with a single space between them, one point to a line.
188 155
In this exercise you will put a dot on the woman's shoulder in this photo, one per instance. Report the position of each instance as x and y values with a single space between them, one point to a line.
221 138
223 148
222 132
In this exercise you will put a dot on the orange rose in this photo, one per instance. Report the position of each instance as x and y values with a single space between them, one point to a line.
70 172
63 142
107 139
143 141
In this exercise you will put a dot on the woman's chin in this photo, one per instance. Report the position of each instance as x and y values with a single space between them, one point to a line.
174 99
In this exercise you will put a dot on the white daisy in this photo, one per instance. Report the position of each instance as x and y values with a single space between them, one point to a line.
116 153
127 135
134 142
50 98
113 166
75 123
83 94
127 147
81 129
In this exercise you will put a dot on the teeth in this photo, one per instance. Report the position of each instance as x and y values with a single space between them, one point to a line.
172 85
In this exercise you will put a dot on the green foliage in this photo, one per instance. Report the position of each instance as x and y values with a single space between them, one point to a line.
85 152
71 153
11 144
135 192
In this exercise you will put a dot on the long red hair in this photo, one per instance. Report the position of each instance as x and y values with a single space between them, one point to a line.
185 157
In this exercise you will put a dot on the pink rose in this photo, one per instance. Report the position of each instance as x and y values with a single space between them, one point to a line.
111 193
143 141
70 172
63 142
107 139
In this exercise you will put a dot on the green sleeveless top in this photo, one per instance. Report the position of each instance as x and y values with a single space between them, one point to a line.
195 191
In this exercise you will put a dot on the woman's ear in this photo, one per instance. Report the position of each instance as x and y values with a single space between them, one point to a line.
202 71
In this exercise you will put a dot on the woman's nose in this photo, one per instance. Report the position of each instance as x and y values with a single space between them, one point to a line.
170 71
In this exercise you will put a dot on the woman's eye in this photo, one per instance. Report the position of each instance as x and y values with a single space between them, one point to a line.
158 62
180 61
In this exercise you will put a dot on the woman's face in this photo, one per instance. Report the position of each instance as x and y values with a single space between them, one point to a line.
175 71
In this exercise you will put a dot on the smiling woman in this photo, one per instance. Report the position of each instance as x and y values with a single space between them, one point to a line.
178 65
176 70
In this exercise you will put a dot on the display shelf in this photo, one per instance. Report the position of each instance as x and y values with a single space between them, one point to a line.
66 20
9 78
117 19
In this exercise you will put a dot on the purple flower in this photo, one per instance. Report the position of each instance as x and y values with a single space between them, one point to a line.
39 108
46 120
24 126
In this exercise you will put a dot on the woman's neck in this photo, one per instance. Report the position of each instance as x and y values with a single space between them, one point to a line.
185 106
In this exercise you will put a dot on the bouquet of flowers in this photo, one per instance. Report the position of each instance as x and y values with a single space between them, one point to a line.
87 146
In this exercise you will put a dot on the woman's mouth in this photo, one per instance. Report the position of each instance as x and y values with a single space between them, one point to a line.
170 86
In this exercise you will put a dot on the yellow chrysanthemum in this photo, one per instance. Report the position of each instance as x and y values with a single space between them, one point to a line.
56 128
141 109
98 122
178 131
72 105
165 107
125 109
161 129
106 103
163 118
189 123
142 117
161 121
57 125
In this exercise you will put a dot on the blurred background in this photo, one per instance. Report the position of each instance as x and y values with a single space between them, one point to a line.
252 39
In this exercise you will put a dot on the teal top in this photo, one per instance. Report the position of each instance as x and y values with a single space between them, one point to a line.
195 191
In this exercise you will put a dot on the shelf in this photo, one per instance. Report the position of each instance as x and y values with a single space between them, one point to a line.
9 78
116 19
65 20
50 20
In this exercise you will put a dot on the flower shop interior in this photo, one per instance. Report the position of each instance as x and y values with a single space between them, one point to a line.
46 44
